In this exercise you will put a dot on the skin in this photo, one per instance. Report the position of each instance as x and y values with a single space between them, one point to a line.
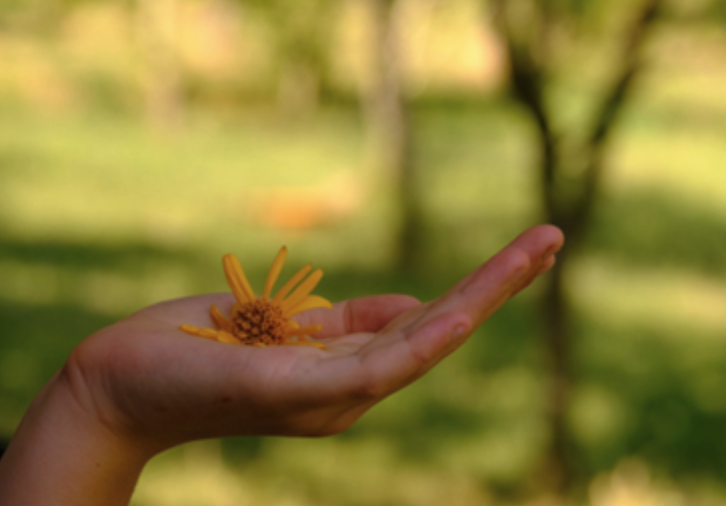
141 386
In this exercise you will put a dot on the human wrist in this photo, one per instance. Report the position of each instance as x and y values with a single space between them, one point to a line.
64 453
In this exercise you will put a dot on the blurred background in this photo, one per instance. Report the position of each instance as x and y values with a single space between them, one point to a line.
397 144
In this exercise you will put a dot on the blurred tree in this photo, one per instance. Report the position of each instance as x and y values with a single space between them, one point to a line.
155 33
390 128
571 160
161 74
42 18
303 35
301 31
303 41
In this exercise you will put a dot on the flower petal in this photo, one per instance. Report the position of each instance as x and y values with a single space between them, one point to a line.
310 302
237 280
302 291
219 319
274 272
227 338
291 284
199 332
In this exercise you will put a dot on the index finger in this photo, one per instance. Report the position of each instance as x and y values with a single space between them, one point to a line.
483 291
426 334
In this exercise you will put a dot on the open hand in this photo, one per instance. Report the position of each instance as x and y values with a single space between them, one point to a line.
146 379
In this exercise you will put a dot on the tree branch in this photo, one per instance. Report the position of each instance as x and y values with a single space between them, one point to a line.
527 84
610 109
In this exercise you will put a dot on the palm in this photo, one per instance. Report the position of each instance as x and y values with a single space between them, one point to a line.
146 374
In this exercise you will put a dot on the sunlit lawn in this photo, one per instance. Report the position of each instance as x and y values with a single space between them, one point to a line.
100 217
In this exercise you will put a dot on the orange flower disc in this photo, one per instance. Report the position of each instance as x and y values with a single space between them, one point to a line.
265 320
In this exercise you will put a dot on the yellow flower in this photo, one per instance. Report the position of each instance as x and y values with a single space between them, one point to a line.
266 320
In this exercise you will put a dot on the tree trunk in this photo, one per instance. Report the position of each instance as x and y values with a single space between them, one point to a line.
303 40
558 470
570 211
298 87
391 132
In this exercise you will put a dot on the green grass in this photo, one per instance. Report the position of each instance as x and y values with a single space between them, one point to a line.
101 216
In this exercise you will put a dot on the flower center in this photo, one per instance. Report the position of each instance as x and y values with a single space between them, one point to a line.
259 321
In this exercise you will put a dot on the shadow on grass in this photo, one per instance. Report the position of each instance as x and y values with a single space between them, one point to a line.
128 257
37 336
35 343
669 387
648 229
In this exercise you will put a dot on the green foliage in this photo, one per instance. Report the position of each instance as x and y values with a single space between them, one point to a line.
301 30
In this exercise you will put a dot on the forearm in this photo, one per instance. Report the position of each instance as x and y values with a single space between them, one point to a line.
61 455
